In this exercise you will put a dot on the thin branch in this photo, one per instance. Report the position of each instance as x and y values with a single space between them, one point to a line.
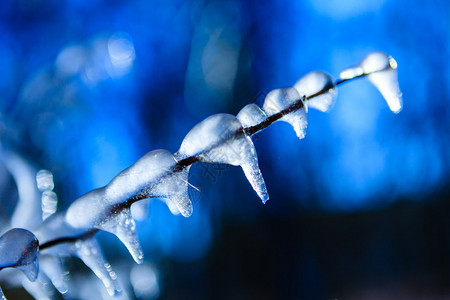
188 161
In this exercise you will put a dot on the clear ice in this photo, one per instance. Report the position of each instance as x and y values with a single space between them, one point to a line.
19 249
382 72
2 296
44 180
251 115
221 139
51 266
88 250
49 201
150 176
280 99
122 225
315 82
90 253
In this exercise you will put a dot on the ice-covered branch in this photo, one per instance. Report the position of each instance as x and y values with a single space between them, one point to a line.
221 138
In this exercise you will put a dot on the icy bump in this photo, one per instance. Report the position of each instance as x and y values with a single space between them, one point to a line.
381 70
108 208
49 201
19 249
44 180
221 139
153 176
251 115
279 100
315 82
87 249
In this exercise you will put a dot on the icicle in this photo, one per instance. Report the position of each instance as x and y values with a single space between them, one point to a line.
280 99
41 289
220 139
2 296
19 249
89 252
315 82
251 115
382 72
52 268
122 225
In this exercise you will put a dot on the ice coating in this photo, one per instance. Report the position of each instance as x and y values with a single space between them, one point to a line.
220 139
251 115
122 225
280 99
381 70
2 296
87 249
49 202
315 82
90 253
151 176
51 266
19 249
40 289
44 180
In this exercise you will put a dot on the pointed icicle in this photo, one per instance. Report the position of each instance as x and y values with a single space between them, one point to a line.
281 99
251 115
315 82
381 70
175 189
51 266
122 225
40 289
19 249
90 253
221 139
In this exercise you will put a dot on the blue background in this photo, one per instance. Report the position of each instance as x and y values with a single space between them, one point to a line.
88 87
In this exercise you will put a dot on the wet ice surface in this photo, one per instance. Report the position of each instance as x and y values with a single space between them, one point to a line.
19 249
151 176
251 115
90 253
87 249
315 82
220 139
52 267
49 201
44 180
122 225
382 72
280 99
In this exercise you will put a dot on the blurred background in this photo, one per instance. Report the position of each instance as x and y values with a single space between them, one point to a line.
357 210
